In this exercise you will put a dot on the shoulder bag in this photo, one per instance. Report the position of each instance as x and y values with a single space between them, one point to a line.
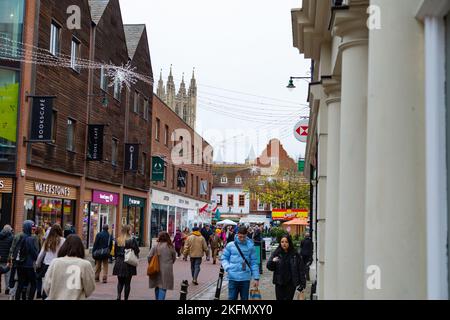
153 265
131 258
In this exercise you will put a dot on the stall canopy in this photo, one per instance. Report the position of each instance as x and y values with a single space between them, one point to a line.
297 222
226 223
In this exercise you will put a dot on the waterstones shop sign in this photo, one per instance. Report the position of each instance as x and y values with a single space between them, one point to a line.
51 189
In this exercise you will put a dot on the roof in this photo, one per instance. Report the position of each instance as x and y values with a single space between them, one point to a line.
133 34
231 172
97 9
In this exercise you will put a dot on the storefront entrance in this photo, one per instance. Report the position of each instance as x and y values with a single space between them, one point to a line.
5 201
133 214
159 219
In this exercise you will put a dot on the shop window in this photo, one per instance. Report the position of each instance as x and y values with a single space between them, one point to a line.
71 127
55 39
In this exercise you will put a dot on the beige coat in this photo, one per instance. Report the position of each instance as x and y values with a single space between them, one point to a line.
195 245
167 257
69 278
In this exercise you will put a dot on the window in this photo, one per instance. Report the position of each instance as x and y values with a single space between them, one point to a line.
55 32
145 109
71 134
117 89
219 200
174 177
166 135
181 150
54 125
136 102
230 200
242 200
75 54
197 186
192 155
103 79
157 129
114 151
143 163
192 184
165 176
238 180
260 206
224 180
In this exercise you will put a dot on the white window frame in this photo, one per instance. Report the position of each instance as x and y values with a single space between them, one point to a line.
223 180
238 180
55 39
432 13
103 79
75 51
71 135
117 90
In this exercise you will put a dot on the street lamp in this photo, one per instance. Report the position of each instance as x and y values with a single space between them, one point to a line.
291 85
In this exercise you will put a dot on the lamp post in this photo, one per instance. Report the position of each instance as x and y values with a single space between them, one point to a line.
291 85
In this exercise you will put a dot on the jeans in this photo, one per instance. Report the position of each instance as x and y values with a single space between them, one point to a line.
236 288
195 267
27 277
160 294
6 277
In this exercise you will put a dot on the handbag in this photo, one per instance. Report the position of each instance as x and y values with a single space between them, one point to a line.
153 265
255 294
131 258
103 253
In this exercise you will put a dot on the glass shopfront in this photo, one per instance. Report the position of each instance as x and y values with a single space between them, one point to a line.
133 214
44 210
6 199
171 226
158 219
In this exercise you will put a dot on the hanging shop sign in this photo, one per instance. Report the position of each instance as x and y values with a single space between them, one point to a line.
106 198
41 119
6 185
131 156
301 130
95 142
288 214
158 165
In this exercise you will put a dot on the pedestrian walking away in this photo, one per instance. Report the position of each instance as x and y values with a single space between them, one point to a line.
307 251
123 270
101 252
207 233
164 279
70 276
178 242
216 245
25 253
240 263
48 253
6 239
195 247
288 270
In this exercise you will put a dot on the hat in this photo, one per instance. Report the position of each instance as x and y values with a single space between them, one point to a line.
195 229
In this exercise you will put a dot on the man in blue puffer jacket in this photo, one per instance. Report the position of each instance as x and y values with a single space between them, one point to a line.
241 268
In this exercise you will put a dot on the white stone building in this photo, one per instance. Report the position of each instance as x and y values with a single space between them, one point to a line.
378 126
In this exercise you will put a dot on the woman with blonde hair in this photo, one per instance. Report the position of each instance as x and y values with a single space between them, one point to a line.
122 269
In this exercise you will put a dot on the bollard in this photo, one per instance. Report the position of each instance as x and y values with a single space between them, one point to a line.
184 289
219 284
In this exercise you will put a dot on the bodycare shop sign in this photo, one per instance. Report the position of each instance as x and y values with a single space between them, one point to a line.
41 119
106 198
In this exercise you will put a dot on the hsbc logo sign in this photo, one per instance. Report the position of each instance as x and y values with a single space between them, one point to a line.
301 130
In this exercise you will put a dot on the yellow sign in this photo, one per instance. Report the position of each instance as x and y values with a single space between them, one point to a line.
9 98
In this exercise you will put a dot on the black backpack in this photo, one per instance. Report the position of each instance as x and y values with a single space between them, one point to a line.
20 251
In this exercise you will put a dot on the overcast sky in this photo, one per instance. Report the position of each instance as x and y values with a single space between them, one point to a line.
234 45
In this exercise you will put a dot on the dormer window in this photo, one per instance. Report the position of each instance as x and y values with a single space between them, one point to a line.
224 180
238 180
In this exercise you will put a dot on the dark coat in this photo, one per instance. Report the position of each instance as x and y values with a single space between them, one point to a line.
307 247
6 239
121 268
206 234
102 240
178 241
289 269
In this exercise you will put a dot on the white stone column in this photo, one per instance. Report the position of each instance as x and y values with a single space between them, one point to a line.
329 258
395 239
351 26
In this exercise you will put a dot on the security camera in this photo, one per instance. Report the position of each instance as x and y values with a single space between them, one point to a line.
23 172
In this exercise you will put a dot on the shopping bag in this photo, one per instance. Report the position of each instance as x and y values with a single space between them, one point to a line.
301 295
255 294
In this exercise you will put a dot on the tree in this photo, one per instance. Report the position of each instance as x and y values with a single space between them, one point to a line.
286 190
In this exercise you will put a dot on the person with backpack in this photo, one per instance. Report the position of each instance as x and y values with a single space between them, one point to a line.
101 252
240 262
25 253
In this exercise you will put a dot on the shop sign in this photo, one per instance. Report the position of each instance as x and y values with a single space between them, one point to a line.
288 214
106 198
95 142
158 165
52 189
41 119
5 185
133 202
131 157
